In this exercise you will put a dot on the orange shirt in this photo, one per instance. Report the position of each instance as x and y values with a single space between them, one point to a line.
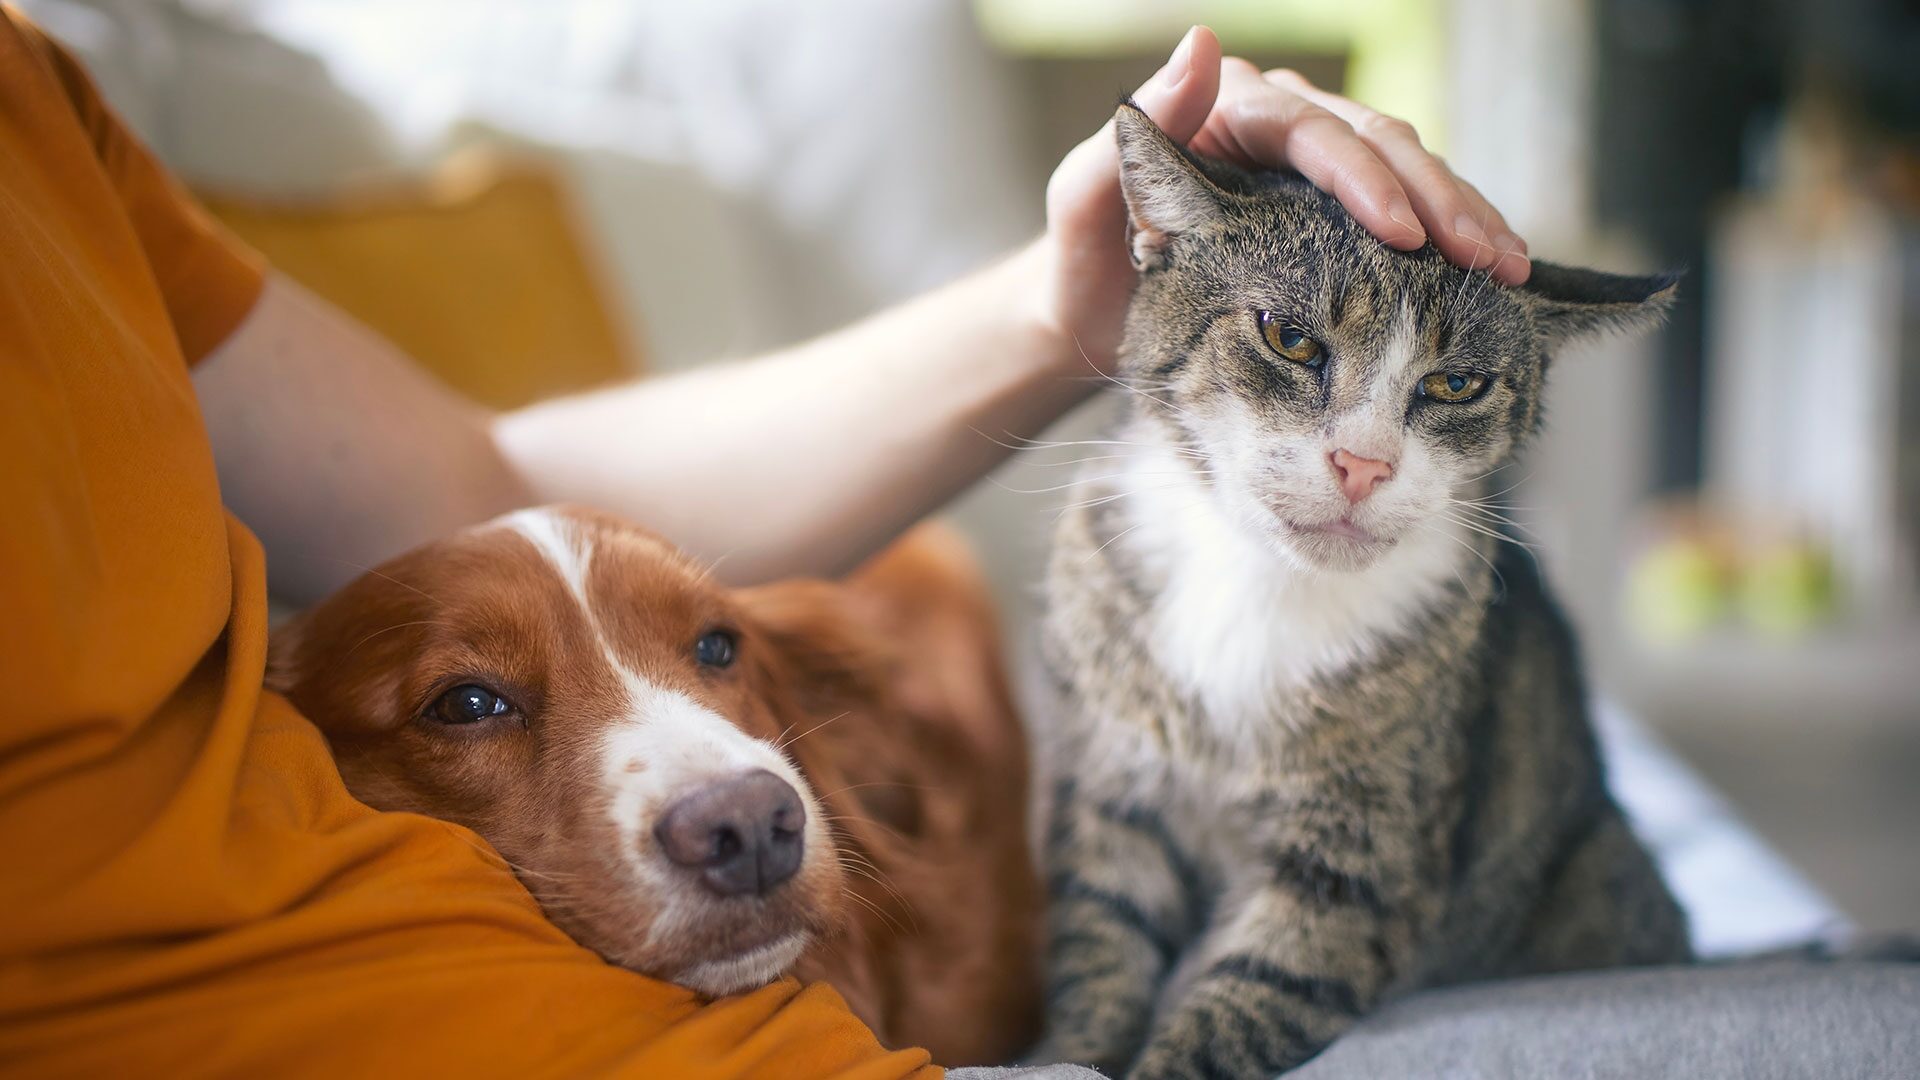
185 887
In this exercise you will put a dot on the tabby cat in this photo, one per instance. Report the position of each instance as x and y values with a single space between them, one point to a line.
1323 738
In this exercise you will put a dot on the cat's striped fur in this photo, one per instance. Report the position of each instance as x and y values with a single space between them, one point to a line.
1293 783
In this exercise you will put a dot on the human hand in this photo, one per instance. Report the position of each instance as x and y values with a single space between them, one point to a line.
1227 108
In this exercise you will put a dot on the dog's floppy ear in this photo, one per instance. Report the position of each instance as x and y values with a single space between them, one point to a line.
343 676
816 638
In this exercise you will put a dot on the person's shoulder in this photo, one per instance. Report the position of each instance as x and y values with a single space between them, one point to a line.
24 41
21 28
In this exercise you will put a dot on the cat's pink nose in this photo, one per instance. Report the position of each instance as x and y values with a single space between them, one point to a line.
1358 476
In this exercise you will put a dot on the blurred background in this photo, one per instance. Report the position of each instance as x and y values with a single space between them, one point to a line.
536 197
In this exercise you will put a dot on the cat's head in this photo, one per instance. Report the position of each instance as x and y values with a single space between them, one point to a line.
1337 393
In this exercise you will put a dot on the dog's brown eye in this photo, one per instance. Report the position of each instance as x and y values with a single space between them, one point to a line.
468 704
714 649
1291 342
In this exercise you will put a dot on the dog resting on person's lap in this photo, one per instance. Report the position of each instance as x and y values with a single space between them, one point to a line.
712 786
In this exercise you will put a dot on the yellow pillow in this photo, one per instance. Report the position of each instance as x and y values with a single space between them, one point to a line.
480 274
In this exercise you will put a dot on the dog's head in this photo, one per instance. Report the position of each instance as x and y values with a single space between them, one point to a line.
610 719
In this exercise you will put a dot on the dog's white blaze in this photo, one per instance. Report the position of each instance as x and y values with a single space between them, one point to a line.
560 544
570 553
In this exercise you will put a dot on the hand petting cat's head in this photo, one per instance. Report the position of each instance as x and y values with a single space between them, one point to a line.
1340 394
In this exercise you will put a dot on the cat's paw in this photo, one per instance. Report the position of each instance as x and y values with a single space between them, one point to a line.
1172 1065
1192 1046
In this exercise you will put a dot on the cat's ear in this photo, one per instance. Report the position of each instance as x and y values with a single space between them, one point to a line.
1166 192
1569 303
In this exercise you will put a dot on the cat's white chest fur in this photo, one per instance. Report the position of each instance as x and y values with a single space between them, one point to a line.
1236 624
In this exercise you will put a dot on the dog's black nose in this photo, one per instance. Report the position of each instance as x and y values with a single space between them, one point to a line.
743 835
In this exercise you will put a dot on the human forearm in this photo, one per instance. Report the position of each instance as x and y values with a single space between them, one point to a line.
335 448
340 453
807 460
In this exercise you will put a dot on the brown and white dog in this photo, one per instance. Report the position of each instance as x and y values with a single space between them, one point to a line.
711 786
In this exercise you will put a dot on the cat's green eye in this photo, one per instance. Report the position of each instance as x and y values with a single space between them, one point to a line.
1453 386
1290 341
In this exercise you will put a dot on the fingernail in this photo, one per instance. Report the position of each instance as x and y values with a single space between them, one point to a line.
1401 211
1180 64
1508 246
1465 229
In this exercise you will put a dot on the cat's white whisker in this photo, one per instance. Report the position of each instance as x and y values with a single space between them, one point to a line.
1069 461
1511 487
1115 496
1081 481
1493 534
1487 502
1123 380
1502 467
1500 523
1053 487
1489 514
1508 488
1476 552
1491 518
1123 384
1187 507
1025 445
1090 556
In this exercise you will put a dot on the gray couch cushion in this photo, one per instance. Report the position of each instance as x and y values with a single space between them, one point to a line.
1748 1020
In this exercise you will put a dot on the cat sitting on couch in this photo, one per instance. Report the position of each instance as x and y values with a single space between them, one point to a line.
1322 737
